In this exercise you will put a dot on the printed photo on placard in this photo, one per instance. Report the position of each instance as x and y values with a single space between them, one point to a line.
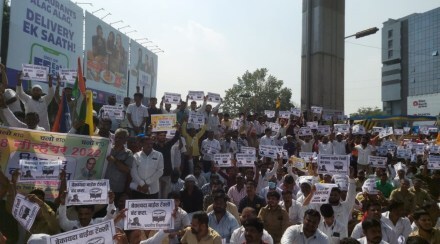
333 164
85 192
155 214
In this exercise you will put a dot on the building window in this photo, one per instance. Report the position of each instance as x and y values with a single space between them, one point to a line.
390 53
390 33
390 44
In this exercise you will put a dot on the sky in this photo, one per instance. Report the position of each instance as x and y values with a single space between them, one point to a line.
209 43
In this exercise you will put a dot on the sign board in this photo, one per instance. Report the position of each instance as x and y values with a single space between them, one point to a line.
101 233
223 159
25 211
269 113
248 150
296 112
163 122
322 193
214 97
87 192
333 164
32 170
196 95
155 214
324 130
284 114
196 118
377 162
305 131
35 72
316 110
426 105
369 185
110 112
312 125
342 128
433 162
68 76
245 160
171 98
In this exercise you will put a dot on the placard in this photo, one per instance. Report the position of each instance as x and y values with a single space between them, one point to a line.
101 233
386 132
144 79
223 159
406 130
214 97
170 134
404 153
25 211
342 128
110 112
333 164
377 162
322 193
284 114
369 186
68 75
245 160
248 150
419 148
433 162
435 149
32 170
316 110
324 130
196 95
359 130
382 151
377 129
172 98
35 72
87 192
298 163
312 125
196 118
155 214
296 112
163 122
305 131
275 127
341 181
398 132
269 151
269 113
307 155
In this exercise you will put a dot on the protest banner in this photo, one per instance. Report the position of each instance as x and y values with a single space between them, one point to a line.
87 192
196 95
333 164
196 118
377 161
155 214
109 112
83 157
386 132
377 129
358 130
269 113
304 131
342 128
369 185
404 153
434 162
268 151
324 130
31 170
284 114
245 160
214 97
35 72
296 112
316 110
171 98
68 76
312 125
163 122
435 149
341 181
248 150
322 193
25 211
101 233
275 127
398 132
47 33
298 163
223 159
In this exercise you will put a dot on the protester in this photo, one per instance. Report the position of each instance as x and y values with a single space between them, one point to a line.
307 232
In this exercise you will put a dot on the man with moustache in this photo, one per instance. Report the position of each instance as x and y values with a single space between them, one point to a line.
200 232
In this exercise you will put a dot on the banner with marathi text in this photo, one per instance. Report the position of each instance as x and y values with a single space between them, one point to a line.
83 157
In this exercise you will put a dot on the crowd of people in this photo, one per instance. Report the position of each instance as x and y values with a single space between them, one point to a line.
267 203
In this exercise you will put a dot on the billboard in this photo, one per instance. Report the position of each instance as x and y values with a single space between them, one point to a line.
48 33
428 105
143 70
106 66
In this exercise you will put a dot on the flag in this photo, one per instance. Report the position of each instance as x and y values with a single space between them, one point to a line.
89 112
79 93
62 121
278 103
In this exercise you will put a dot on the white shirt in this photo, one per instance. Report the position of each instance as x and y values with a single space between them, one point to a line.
67 224
306 146
363 153
229 147
39 107
209 148
334 232
339 147
388 234
237 236
15 106
14 122
296 213
267 140
147 169
295 234
176 153
138 113
402 227
263 181
325 148
363 240
235 195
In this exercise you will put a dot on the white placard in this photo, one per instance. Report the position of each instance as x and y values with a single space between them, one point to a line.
341 181
284 114
144 79
268 151
245 160
248 150
154 214
343 128
298 163
269 113
433 162
275 127
322 193
110 112
433 129
296 112
304 131
68 75
24 211
86 192
196 95
333 164
170 134
196 118
399 166
35 72
369 185
324 130
419 148
403 153
386 132
308 156
214 97
382 151
171 98
359 130
377 129
32 170
223 159
312 125
377 162
434 149
101 233
406 130
316 110
398 132
327 117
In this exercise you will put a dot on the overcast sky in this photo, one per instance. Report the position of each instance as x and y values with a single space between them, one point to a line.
209 43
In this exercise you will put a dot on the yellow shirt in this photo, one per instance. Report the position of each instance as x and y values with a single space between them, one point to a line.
212 238
192 143
435 235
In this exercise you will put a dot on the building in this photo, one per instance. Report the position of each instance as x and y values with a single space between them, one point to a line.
322 55
411 64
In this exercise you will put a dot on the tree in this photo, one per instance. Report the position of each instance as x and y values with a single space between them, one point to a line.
367 111
256 92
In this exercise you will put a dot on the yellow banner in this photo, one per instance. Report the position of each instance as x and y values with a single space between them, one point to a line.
163 122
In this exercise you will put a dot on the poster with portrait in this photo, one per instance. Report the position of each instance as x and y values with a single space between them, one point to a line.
143 70
106 59
149 214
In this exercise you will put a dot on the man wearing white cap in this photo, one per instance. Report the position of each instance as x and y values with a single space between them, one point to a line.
36 102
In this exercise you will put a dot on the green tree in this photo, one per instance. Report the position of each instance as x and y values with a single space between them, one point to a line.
367 111
256 92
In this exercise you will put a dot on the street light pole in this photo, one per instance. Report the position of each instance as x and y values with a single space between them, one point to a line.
363 33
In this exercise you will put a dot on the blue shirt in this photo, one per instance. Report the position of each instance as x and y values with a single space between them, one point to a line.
225 227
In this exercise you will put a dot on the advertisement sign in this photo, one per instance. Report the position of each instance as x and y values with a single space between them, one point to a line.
106 65
149 214
143 70
83 157
428 105
47 33
93 234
